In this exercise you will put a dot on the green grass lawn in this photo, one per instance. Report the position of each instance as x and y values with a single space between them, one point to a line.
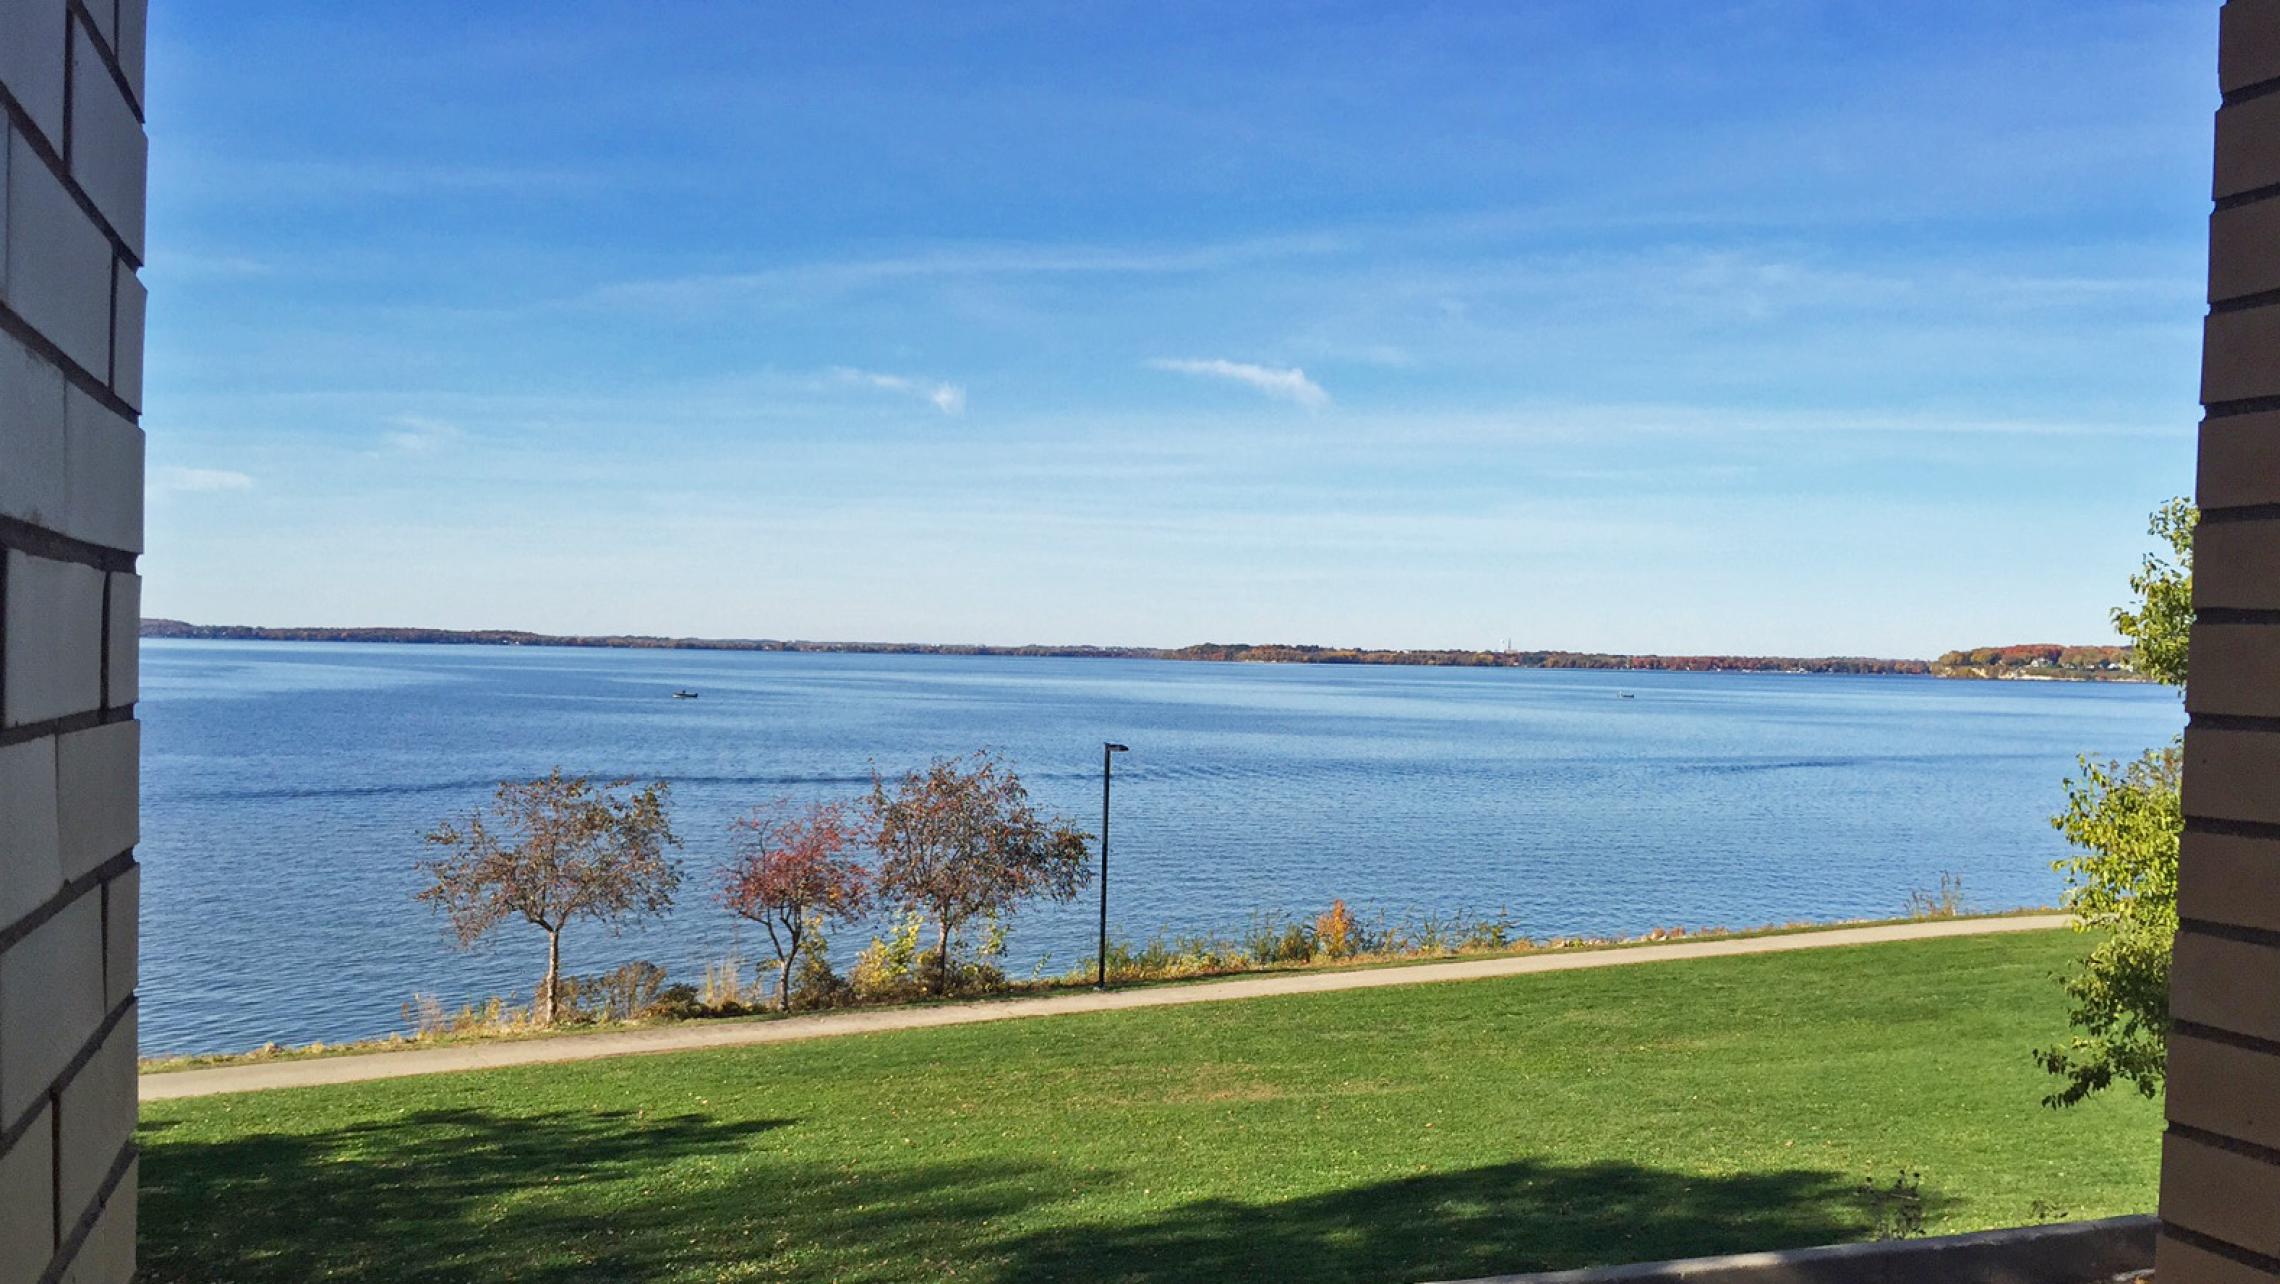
1434 1131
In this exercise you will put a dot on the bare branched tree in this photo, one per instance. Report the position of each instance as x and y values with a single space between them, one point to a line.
958 840
553 850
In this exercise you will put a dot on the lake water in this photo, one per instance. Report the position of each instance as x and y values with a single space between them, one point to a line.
286 787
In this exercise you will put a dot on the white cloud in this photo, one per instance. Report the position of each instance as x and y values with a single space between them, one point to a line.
948 398
967 260
1290 385
199 481
420 435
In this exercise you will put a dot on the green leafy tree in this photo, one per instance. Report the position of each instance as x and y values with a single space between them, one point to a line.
2122 888
2162 623
2125 823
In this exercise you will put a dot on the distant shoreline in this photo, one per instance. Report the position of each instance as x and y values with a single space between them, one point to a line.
1224 652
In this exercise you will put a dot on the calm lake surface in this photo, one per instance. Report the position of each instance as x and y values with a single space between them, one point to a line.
286 787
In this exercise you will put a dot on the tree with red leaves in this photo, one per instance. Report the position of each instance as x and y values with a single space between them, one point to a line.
554 850
958 840
793 871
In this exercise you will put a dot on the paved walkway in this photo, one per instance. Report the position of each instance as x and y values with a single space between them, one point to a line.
690 1035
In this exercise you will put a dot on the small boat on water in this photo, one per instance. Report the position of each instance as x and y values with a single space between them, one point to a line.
684 695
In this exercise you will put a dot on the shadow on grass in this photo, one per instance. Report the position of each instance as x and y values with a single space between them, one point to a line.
1519 1216
452 1194
472 1194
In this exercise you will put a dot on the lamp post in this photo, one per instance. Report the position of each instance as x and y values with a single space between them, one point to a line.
1108 751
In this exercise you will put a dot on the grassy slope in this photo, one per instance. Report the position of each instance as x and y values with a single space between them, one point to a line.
1035 989
1436 1131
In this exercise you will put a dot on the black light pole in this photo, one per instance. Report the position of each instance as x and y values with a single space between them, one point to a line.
1108 751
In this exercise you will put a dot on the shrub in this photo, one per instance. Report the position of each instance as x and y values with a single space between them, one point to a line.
1261 938
1947 902
621 993
424 1014
1296 945
1486 934
1335 935
1271 939
1165 958
678 1002
725 992
885 968
429 1019
814 983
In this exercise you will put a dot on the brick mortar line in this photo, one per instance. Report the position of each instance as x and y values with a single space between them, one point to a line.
70 100
2243 302
2208 1243
103 664
2240 405
2263 724
45 149
110 56
2230 1145
67 1252
2229 1038
39 541
2219 1246
2250 92
2251 196
63 899
698 1036
2233 932
2241 513
79 1060
2219 827
66 725
111 326
29 335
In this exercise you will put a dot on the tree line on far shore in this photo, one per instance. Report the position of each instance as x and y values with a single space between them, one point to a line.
2039 659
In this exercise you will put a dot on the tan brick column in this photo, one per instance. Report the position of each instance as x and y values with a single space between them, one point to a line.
71 486
2220 1181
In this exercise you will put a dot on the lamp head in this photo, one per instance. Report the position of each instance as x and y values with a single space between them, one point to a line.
1114 747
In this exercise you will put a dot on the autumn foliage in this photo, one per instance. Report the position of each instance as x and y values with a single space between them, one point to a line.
795 870
1336 934
959 841
551 851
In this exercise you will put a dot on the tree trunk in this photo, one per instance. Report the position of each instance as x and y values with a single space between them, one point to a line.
784 971
553 975
942 960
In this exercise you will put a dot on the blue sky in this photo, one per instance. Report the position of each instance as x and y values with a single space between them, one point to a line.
1766 327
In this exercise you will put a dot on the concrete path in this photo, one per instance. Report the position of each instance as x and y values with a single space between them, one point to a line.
690 1035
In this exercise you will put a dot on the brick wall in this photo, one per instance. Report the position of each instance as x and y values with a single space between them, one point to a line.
2220 1181
71 452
